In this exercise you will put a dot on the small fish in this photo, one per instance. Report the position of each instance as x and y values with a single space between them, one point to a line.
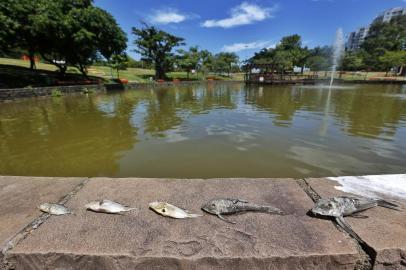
169 210
107 206
348 206
54 209
221 207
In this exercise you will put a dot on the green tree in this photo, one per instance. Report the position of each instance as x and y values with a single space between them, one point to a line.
189 60
207 62
317 63
352 62
383 37
65 33
155 46
297 54
16 26
119 62
225 61
393 59
8 25
73 33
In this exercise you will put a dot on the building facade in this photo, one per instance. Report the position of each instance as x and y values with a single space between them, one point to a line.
356 38
389 14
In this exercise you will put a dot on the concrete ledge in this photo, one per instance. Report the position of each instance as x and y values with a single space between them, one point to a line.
20 197
384 230
144 240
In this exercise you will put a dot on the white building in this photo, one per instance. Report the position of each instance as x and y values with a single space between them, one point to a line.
355 39
389 14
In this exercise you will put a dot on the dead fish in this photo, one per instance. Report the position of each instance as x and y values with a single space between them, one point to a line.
54 209
340 207
169 210
221 207
348 206
107 206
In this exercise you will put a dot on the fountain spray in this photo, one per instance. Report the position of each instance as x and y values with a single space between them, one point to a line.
338 51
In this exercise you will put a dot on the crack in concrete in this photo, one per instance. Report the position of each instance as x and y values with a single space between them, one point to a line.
367 254
33 225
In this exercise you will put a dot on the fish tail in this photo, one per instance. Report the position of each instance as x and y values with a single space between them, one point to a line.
193 215
386 204
130 209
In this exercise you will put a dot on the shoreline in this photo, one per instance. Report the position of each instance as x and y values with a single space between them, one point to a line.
10 94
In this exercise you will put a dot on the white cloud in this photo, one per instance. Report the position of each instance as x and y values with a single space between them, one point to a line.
166 16
245 13
237 47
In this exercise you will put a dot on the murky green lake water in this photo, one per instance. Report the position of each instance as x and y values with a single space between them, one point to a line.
208 130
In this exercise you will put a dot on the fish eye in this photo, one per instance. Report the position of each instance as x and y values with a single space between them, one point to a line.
163 210
214 205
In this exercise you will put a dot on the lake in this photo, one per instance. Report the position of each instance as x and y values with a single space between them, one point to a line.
208 130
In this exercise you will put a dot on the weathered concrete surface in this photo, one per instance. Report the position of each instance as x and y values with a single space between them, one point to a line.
144 240
384 230
20 196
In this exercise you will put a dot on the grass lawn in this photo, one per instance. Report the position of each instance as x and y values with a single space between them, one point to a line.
15 68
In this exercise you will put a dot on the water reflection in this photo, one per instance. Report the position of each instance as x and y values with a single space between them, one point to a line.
208 130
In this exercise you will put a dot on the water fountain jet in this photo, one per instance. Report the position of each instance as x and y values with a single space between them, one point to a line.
338 51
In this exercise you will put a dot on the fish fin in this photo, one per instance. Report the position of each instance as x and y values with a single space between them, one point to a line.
356 215
228 221
237 200
190 215
274 210
346 227
386 204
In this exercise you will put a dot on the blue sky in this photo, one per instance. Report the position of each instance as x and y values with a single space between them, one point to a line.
246 26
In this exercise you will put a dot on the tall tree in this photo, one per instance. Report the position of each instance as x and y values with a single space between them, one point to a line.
189 60
393 59
8 25
383 37
352 62
155 46
227 59
75 32
207 61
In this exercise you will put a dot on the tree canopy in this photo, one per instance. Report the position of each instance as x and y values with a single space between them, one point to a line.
287 54
383 37
155 46
63 32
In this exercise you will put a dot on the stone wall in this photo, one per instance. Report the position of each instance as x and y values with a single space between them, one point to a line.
16 93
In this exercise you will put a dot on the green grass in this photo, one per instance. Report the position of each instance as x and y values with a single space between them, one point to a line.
131 74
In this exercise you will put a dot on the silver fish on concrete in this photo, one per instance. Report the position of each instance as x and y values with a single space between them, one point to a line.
107 206
169 210
221 207
54 209
340 207
348 206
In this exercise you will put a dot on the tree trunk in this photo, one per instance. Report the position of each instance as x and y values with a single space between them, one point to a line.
159 72
31 55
